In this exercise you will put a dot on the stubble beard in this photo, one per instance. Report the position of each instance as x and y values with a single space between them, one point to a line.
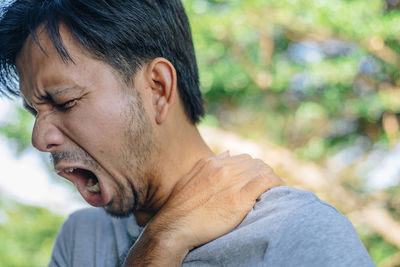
138 156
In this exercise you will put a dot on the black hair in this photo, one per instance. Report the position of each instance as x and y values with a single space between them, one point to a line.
123 33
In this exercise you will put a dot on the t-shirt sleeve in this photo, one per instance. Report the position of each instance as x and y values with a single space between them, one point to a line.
317 235
61 254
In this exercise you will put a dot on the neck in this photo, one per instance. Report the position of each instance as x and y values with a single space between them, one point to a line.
177 157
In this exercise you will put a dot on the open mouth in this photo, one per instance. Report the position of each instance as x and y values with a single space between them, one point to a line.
88 178
87 184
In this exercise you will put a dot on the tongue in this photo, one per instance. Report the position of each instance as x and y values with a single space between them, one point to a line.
93 186
85 179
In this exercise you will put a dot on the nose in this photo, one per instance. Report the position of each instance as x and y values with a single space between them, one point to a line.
46 137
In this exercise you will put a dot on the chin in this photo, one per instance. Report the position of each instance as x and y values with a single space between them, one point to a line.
118 214
120 211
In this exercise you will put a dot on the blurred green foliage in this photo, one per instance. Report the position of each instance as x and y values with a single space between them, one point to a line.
311 75
27 234
315 76
377 247
18 129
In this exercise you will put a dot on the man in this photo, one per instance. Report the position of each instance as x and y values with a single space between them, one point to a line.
114 89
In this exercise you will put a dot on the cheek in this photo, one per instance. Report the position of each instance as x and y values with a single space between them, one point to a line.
98 128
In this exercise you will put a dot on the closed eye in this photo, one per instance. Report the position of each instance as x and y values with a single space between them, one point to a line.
30 109
66 105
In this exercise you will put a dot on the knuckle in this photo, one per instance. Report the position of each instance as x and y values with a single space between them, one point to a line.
279 181
259 162
264 180
270 181
265 166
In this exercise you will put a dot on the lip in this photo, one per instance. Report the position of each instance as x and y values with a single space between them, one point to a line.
95 199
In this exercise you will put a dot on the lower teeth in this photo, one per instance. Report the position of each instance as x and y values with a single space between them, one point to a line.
92 186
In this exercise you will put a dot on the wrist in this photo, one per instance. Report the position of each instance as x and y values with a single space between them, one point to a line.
167 237
157 246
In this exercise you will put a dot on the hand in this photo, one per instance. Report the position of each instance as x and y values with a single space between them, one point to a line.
207 203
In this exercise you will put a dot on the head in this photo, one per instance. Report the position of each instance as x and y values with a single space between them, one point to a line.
99 77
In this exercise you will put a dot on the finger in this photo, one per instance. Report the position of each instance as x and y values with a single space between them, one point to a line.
241 175
235 159
248 168
204 161
260 184
224 164
240 172
228 171
253 164
199 167
219 168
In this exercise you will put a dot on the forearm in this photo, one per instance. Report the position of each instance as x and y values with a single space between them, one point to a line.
155 249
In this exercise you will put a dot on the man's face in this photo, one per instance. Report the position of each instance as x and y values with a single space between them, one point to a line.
95 127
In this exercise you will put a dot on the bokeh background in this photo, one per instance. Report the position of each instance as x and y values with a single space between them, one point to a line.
310 86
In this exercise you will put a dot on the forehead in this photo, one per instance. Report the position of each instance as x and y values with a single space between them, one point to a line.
33 61
43 50
43 67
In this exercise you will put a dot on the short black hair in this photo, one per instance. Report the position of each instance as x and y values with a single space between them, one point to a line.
123 33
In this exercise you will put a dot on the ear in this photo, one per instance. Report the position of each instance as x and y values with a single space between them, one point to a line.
162 80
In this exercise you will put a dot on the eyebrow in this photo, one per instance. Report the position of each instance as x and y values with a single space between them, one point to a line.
61 91
48 97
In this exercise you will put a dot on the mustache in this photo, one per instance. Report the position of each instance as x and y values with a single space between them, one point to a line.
73 156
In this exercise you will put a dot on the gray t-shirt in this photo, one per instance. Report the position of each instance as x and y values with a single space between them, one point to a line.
287 227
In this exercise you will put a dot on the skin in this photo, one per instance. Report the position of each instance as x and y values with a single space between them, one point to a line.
148 157
107 114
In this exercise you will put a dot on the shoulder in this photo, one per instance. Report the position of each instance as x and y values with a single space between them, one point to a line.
302 212
295 210
280 202
75 243
283 195
283 209
311 231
